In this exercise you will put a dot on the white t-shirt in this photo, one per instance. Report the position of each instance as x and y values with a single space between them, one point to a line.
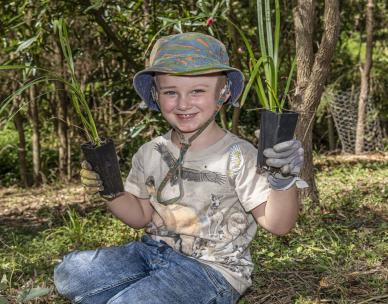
211 222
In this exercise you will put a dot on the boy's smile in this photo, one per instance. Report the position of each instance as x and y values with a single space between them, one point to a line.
188 102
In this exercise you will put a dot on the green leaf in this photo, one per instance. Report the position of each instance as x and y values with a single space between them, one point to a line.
288 84
29 294
96 4
136 130
254 75
25 44
214 12
3 300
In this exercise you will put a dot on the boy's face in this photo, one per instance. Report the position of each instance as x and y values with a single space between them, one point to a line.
187 102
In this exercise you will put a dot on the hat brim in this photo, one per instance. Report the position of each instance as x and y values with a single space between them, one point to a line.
144 80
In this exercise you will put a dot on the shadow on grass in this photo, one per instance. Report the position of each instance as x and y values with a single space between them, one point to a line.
336 254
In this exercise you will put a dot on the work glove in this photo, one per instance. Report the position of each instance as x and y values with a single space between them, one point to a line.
92 182
90 179
287 159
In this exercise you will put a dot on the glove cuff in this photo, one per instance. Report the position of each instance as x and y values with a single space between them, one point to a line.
282 184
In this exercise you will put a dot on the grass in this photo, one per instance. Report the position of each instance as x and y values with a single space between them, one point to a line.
336 254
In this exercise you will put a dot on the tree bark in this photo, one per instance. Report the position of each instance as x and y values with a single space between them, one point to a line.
312 72
34 118
223 118
236 61
365 76
331 132
22 151
146 13
98 15
62 132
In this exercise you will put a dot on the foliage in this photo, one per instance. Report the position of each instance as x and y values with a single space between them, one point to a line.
267 66
8 156
105 71
78 97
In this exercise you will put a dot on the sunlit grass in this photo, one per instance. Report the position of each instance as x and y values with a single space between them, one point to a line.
336 254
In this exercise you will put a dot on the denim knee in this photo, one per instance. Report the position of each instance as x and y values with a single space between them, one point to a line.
67 278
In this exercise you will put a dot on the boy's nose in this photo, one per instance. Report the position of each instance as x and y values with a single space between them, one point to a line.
184 103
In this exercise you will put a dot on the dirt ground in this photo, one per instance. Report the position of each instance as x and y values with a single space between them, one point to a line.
26 207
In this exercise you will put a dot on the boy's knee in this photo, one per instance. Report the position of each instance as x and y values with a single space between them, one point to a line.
67 275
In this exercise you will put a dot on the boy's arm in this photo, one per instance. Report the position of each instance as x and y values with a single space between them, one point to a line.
279 214
131 210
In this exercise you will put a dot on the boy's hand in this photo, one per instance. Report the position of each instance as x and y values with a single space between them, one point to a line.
286 156
90 179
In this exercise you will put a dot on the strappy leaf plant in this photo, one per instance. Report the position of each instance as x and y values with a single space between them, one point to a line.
78 98
264 71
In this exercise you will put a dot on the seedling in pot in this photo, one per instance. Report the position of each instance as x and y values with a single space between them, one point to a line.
276 124
99 152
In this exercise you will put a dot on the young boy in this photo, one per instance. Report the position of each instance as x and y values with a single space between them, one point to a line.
194 190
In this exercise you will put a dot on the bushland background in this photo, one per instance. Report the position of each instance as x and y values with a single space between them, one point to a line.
337 252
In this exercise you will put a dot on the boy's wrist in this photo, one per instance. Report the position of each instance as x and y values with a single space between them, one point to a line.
112 197
280 183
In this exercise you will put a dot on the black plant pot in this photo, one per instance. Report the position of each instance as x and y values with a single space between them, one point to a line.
103 160
274 128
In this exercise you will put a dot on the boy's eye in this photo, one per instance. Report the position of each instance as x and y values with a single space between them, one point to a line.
199 91
168 93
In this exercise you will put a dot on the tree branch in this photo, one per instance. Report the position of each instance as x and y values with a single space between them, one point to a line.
98 15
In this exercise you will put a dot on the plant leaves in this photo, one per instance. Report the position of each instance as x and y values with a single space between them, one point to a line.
25 44
136 130
95 5
3 300
32 293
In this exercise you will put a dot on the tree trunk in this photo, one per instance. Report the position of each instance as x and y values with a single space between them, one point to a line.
110 32
330 130
223 118
62 132
236 61
365 75
18 121
312 72
34 118
146 13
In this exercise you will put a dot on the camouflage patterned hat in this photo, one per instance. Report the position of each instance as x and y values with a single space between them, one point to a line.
187 54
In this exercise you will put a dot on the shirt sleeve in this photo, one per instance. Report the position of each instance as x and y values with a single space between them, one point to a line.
252 188
135 181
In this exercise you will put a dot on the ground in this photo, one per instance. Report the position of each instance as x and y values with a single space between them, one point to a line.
336 254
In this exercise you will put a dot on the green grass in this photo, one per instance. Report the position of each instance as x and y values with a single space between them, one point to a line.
336 254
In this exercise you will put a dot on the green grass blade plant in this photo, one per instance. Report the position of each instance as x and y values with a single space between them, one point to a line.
286 89
77 95
268 70
276 40
252 78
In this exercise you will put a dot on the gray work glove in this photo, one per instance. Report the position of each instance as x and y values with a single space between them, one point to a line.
287 157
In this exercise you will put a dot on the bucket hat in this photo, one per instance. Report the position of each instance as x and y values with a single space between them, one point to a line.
187 54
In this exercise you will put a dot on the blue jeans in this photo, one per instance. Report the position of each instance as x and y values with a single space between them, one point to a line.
146 272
